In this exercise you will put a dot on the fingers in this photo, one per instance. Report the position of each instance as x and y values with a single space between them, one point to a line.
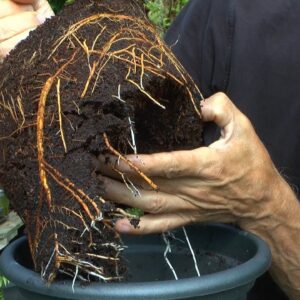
166 222
108 166
152 224
42 7
43 10
167 164
220 109
8 8
154 202
18 18
8 45
16 24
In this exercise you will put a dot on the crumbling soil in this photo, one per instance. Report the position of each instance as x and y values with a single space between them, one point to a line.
82 75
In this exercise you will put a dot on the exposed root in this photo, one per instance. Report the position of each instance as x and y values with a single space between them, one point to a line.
74 279
142 90
146 62
68 186
119 94
48 264
116 17
15 112
168 250
40 128
132 166
78 215
131 187
102 257
192 252
130 46
92 72
60 116
85 266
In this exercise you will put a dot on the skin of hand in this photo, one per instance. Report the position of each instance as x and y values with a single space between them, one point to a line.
228 181
231 180
18 18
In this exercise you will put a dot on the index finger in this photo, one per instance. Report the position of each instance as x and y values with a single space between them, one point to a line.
9 8
167 164
16 24
42 7
150 224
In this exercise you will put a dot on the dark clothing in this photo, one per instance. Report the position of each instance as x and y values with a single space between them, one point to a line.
251 51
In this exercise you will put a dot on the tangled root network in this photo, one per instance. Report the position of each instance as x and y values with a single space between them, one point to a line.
94 80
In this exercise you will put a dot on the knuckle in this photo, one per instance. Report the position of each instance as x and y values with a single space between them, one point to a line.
157 205
170 172
173 169
215 168
244 122
216 173
219 108
222 103
167 226
221 99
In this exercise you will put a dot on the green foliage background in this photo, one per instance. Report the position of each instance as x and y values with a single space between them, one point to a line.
160 12
163 12
57 5
3 283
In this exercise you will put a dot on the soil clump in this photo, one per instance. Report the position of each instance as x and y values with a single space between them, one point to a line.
81 85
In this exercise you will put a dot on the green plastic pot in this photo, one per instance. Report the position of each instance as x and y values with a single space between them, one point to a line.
230 260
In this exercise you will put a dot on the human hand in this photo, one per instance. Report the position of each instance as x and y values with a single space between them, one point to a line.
232 180
18 18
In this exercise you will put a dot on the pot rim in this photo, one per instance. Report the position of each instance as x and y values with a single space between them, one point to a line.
243 274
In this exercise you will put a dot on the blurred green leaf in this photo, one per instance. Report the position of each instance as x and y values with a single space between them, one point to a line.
3 282
163 12
58 5
160 12
137 212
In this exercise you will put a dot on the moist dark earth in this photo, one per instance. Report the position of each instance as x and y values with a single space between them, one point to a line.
96 68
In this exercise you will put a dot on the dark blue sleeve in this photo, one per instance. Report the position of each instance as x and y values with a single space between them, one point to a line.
201 38
251 51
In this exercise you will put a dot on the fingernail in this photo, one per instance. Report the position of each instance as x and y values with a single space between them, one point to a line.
123 227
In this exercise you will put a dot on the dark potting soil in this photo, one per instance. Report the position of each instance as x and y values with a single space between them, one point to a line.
97 68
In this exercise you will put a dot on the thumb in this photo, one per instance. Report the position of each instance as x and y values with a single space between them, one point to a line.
220 110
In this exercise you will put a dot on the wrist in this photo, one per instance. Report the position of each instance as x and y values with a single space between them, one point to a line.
280 228
278 206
